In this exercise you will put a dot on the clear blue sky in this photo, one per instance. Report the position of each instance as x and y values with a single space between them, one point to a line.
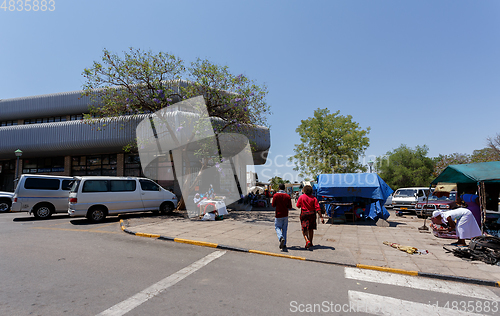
416 72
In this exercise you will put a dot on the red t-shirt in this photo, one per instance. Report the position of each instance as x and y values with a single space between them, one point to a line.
283 203
308 203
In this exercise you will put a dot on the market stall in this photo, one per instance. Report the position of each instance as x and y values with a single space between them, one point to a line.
485 178
359 195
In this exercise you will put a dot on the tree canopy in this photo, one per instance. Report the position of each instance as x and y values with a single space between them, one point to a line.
406 167
142 82
330 143
276 181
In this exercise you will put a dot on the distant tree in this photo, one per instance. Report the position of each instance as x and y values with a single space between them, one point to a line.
276 181
144 82
406 167
494 145
330 143
485 155
443 161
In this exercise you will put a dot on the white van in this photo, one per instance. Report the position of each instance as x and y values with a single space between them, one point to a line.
42 195
406 199
97 197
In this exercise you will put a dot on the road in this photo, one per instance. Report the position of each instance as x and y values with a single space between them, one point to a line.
65 266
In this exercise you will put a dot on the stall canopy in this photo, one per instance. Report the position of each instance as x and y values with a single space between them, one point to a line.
355 187
488 172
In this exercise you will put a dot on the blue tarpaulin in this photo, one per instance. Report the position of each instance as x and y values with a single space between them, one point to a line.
356 187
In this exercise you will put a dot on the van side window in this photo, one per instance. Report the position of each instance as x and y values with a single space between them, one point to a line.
95 186
147 185
122 185
420 193
66 184
41 184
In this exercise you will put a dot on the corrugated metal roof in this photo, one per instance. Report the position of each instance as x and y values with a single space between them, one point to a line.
78 138
56 104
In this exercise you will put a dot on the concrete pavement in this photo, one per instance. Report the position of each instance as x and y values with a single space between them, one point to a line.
352 244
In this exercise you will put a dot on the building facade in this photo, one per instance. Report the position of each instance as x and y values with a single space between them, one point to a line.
55 140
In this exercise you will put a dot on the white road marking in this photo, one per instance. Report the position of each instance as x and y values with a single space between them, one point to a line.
420 283
360 302
155 289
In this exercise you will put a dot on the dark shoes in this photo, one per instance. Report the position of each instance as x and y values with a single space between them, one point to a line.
282 243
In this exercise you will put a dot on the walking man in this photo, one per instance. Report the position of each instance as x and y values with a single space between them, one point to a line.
282 202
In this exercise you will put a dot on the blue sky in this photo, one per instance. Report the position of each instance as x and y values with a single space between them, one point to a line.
416 72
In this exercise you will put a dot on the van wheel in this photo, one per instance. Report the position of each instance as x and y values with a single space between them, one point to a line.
96 215
4 205
166 208
43 211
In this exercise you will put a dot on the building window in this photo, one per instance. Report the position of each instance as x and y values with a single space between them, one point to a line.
76 117
43 165
132 166
94 165
8 123
45 120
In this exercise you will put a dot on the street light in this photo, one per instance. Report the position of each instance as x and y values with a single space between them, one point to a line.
370 163
18 153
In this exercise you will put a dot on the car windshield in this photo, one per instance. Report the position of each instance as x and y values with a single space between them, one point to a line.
443 198
403 193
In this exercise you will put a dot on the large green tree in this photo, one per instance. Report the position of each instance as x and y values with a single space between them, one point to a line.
276 181
330 143
142 82
406 167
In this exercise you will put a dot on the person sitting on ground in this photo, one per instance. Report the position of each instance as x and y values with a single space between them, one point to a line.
461 220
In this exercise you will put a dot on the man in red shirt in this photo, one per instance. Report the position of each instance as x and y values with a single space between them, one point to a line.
283 203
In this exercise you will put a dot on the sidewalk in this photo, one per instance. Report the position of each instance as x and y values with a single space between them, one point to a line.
352 244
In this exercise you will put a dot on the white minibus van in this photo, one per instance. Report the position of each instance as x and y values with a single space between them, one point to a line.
96 197
42 195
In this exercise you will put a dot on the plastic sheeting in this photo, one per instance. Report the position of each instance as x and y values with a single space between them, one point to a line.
356 187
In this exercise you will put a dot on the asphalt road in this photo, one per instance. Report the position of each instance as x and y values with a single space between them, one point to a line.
65 266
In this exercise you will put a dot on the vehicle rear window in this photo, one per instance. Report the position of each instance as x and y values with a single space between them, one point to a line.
122 185
75 185
66 184
95 186
41 184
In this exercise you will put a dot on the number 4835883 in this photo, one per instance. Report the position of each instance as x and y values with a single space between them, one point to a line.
28 5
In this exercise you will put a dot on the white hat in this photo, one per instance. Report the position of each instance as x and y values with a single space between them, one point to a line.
437 213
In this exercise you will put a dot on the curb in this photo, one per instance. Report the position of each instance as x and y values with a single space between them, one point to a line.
360 266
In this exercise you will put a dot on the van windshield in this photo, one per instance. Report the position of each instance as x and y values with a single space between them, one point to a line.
74 187
405 193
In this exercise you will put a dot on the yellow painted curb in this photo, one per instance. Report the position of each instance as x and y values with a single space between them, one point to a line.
399 271
147 235
498 284
275 254
194 242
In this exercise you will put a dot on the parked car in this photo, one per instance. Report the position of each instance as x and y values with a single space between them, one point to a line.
42 195
434 203
406 199
388 202
97 197
5 201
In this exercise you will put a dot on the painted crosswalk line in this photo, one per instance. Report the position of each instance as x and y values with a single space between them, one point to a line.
414 282
373 304
155 289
